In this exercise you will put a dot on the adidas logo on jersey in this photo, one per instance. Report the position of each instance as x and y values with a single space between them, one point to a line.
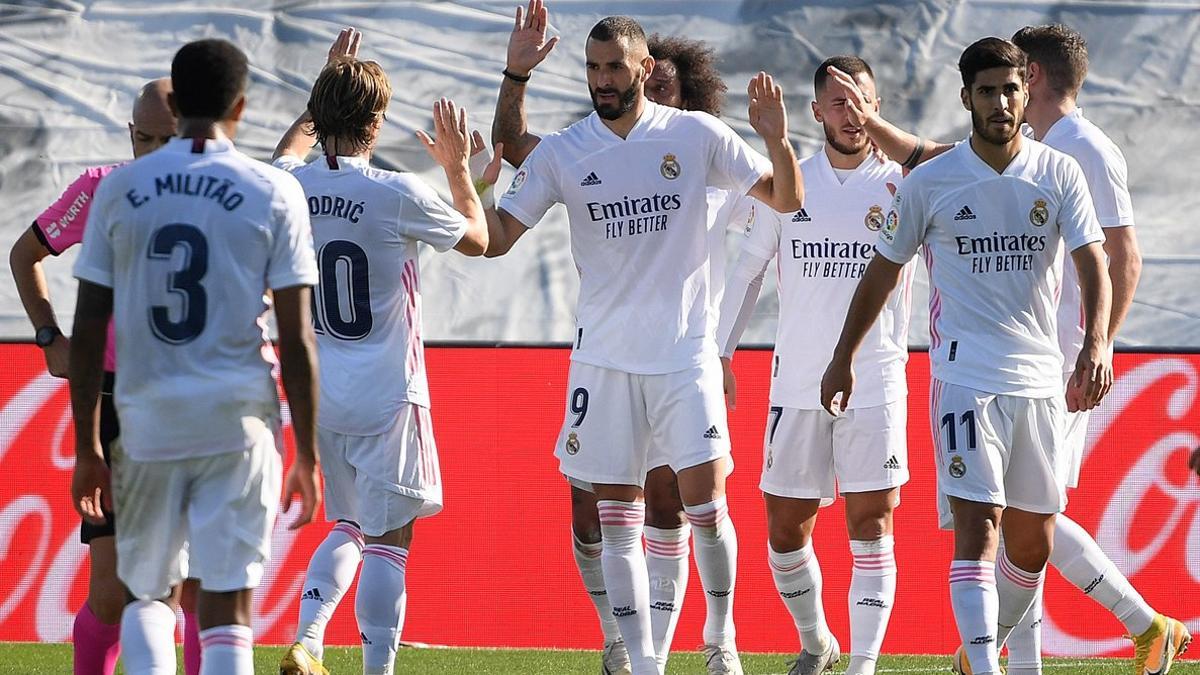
592 179
892 463
965 213
801 217
712 433
313 594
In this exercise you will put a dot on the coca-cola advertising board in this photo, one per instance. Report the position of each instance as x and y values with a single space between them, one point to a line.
495 567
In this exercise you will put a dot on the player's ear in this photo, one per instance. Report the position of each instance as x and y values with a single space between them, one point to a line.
965 95
816 110
1033 73
239 107
647 67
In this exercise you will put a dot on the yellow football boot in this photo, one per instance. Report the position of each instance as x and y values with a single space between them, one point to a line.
1155 650
297 661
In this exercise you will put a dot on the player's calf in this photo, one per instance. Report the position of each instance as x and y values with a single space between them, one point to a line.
873 583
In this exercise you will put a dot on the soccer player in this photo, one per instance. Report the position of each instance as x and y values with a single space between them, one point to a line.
379 458
991 216
1058 63
685 77
96 633
822 251
633 176
181 248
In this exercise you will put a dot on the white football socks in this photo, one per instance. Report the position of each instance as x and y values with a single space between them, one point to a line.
625 577
379 606
872 594
1016 589
148 638
226 650
330 573
667 565
976 608
587 558
1025 641
1081 560
797 577
716 562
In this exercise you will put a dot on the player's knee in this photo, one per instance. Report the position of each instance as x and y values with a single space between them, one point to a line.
868 526
785 535
664 509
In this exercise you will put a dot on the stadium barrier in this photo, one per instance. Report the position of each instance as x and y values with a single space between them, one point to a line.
495 568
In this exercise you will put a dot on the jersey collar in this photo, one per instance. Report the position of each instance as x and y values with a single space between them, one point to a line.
343 162
648 113
829 176
983 170
198 146
1063 124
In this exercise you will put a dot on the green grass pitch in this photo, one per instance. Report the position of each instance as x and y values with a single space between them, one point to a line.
36 659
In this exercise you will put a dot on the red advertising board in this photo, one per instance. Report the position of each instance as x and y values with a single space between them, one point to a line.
495 568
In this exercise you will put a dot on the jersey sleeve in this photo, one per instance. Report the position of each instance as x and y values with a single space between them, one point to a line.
95 261
534 189
762 230
733 164
292 261
906 224
1076 217
61 225
425 216
1107 178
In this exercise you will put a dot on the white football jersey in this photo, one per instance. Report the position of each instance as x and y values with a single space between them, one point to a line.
640 235
367 306
727 213
822 251
190 238
991 242
1106 173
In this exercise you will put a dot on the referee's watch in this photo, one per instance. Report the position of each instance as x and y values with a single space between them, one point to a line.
45 336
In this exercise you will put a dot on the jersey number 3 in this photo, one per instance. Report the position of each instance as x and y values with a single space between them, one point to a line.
342 261
184 283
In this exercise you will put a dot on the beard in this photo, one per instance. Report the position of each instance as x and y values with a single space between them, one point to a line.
843 148
994 136
625 101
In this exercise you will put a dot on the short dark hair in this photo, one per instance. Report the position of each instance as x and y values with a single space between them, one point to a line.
851 65
990 52
700 85
614 27
208 77
1060 51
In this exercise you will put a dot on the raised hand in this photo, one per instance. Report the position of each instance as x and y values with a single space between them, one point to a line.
859 107
768 115
485 168
528 46
345 46
452 145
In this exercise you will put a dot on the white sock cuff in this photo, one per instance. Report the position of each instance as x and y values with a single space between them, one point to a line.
710 514
585 550
874 558
668 543
618 513
234 636
1018 576
349 531
791 561
978 571
393 555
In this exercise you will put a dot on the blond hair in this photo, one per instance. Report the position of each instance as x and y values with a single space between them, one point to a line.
348 101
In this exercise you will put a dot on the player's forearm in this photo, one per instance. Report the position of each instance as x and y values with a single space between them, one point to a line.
86 370
878 282
466 202
1124 270
298 365
899 145
787 185
1095 291
298 140
738 302
509 126
31 287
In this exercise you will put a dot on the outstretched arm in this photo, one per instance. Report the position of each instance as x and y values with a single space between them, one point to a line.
451 150
527 47
783 188
299 139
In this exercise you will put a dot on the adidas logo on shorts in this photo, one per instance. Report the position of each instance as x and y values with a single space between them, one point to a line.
592 179
965 213
712 433
892 463
801 217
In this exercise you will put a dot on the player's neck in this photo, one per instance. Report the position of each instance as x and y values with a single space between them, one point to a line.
194 127
341 147
625 123
996 156
839 160
1043 114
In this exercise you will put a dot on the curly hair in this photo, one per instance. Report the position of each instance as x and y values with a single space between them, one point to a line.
347 101
701 86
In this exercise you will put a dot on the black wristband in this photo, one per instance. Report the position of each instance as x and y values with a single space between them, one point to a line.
517 78
915 158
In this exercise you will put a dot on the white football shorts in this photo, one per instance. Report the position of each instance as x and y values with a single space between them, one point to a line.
208 518
1075 437
810 454
998 449
386 481
616 419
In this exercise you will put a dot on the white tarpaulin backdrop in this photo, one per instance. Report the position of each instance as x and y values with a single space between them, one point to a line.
68 72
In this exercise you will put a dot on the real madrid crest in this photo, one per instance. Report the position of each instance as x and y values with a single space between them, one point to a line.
1039 214
670 167
572 443
874 219
958 468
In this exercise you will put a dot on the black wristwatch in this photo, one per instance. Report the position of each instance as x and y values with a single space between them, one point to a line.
46 335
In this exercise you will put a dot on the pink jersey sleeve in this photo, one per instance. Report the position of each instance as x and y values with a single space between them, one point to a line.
61 226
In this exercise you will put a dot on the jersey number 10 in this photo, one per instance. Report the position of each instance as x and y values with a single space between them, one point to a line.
341 260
